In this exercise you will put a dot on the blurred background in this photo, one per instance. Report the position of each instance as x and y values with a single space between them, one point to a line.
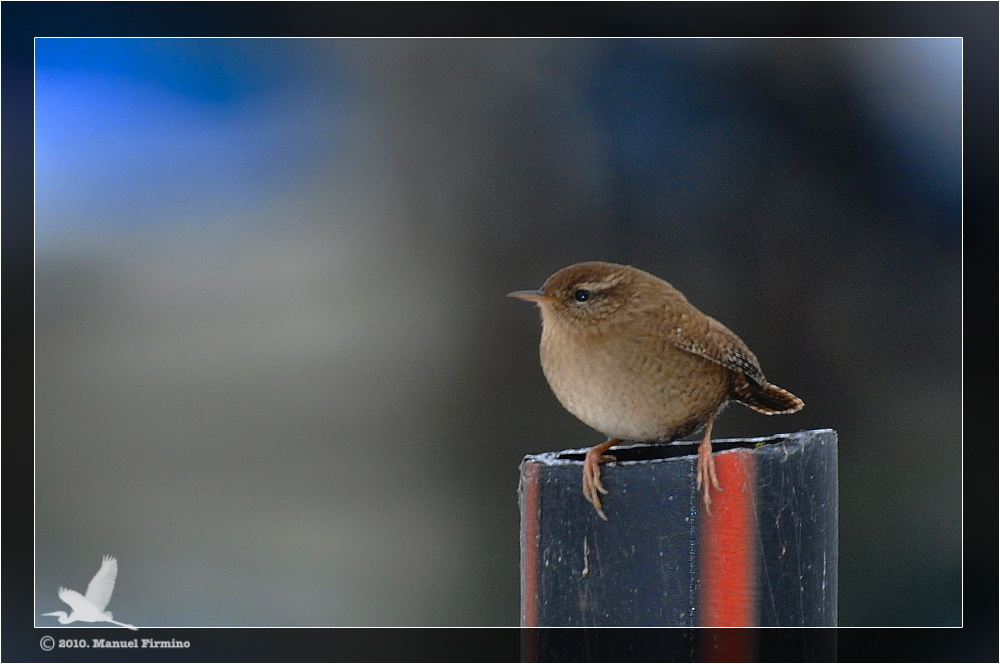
276 374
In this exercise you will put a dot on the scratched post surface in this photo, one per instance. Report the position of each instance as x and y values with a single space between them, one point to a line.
636 568
652 562
797 517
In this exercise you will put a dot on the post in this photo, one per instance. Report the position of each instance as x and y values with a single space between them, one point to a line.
767 556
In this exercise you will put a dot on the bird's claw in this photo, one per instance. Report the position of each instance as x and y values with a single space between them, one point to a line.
706 476
592 486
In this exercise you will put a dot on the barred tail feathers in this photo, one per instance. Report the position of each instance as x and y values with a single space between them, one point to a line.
768 399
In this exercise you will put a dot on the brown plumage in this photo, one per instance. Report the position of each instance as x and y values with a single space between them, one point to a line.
626 353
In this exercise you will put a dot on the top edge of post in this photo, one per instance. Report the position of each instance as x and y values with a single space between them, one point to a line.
636 453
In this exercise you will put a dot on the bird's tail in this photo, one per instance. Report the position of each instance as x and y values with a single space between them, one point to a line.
132 627
768 399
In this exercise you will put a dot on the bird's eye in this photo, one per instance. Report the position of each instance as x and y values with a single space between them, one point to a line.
581 295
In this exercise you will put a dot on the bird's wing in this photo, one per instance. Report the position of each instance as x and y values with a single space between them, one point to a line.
76 601
103 584
718 343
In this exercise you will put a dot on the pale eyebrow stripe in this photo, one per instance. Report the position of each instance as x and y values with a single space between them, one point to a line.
602 285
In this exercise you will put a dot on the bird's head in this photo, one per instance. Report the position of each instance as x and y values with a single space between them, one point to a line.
586 294
63 618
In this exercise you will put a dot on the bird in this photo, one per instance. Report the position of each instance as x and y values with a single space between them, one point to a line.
90 607
626 353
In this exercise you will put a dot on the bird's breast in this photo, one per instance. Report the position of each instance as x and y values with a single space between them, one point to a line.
634 389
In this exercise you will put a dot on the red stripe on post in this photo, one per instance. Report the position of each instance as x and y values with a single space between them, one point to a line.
728 569
529 546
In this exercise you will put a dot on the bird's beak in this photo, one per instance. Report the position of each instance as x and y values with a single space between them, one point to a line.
54 613
530 296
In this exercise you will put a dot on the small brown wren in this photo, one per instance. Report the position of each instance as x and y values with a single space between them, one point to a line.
627 354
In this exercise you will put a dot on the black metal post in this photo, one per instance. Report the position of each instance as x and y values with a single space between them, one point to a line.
766 557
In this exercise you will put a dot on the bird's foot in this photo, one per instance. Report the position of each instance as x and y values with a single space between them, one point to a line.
705 473
592 487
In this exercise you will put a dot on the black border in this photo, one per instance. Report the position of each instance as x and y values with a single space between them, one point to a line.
976 22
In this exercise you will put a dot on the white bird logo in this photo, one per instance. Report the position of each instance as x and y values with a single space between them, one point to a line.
90 608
